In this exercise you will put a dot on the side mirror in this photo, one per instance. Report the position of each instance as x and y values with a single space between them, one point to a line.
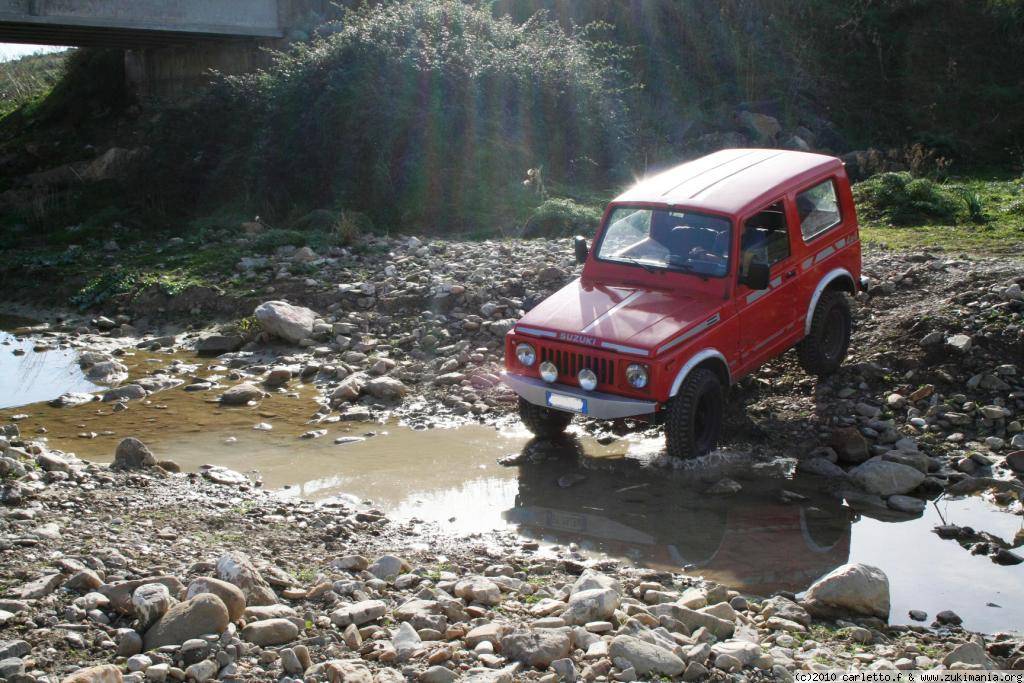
758 275
579 244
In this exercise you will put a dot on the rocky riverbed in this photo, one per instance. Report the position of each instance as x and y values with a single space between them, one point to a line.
164 575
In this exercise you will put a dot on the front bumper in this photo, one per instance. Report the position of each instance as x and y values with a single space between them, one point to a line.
599 405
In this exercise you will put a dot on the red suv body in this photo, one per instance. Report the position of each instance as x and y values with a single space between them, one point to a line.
719 264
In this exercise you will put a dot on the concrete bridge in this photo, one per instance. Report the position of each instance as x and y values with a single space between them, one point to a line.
169 44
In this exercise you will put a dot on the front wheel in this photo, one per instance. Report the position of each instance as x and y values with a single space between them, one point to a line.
545 423
824 348
694 416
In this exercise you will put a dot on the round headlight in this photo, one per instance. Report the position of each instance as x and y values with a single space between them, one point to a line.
526 355
587 378
548 371
636 375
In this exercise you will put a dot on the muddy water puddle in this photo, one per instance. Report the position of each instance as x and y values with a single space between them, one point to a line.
571 491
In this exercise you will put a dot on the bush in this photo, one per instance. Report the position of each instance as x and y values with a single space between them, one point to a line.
421 114
562 217
901 199
269 241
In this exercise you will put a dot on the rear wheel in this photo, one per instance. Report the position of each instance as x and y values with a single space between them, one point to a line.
824 348
545 423
694 417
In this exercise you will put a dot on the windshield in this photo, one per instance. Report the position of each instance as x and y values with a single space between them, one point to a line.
687 242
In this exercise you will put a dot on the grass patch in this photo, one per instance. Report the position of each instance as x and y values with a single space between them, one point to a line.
987 218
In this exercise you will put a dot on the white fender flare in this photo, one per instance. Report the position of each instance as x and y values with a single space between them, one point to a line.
825 281
694 361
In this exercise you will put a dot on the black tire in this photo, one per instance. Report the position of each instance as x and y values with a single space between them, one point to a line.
545 423
824 348
694 417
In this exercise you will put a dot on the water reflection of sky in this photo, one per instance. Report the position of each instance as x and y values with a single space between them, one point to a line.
37 376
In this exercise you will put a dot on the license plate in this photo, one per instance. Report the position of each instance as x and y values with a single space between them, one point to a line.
570 403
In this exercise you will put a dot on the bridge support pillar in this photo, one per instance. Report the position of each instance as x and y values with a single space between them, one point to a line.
181 70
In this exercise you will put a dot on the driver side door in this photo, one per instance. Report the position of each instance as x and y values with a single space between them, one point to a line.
768 317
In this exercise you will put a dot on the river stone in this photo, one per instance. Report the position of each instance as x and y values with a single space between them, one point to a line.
359 613
886 478
107 372
536 648
595 604
150 601
591 579
1015 461
283 320
216 344
132 454
224 476
850 589
203 614
784 608
406 641
743 650
342 671
107 673
646 658
907 504
850 445
478 589
438 674
241 394
968 653
39 588
71 398
129 392
270 632
231 595
120 593
386 388
693 620
236 568
261 612
388 567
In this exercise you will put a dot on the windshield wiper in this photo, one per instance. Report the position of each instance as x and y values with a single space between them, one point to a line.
646 266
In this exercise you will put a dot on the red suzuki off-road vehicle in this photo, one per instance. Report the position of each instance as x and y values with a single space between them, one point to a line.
697 276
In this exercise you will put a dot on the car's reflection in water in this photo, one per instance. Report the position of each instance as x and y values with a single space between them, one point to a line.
753 540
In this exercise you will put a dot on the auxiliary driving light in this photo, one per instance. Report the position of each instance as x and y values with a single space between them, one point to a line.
526 355
636 375
548 371
587 378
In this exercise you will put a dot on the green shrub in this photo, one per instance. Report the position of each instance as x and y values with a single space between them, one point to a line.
421 114
901 199
560 217
973 203
269 241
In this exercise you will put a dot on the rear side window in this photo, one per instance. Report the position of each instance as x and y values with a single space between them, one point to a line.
818 208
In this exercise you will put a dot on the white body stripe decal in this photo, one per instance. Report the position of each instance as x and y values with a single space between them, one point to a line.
697 329
607 314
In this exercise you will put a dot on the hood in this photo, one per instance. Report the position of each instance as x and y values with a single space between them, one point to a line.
636 317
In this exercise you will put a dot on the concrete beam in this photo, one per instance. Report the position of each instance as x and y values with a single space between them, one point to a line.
217 18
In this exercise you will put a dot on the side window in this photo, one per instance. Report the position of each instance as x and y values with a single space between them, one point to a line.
818 208
765 238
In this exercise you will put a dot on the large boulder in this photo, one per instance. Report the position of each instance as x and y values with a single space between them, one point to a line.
107 372
216 344
150 601
202 615
850 589
132 454
270 632
288 322
886 478
386 388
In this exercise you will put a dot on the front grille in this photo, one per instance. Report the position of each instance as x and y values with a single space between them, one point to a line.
569 363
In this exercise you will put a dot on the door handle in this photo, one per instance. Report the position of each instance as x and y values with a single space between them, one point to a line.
788 275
